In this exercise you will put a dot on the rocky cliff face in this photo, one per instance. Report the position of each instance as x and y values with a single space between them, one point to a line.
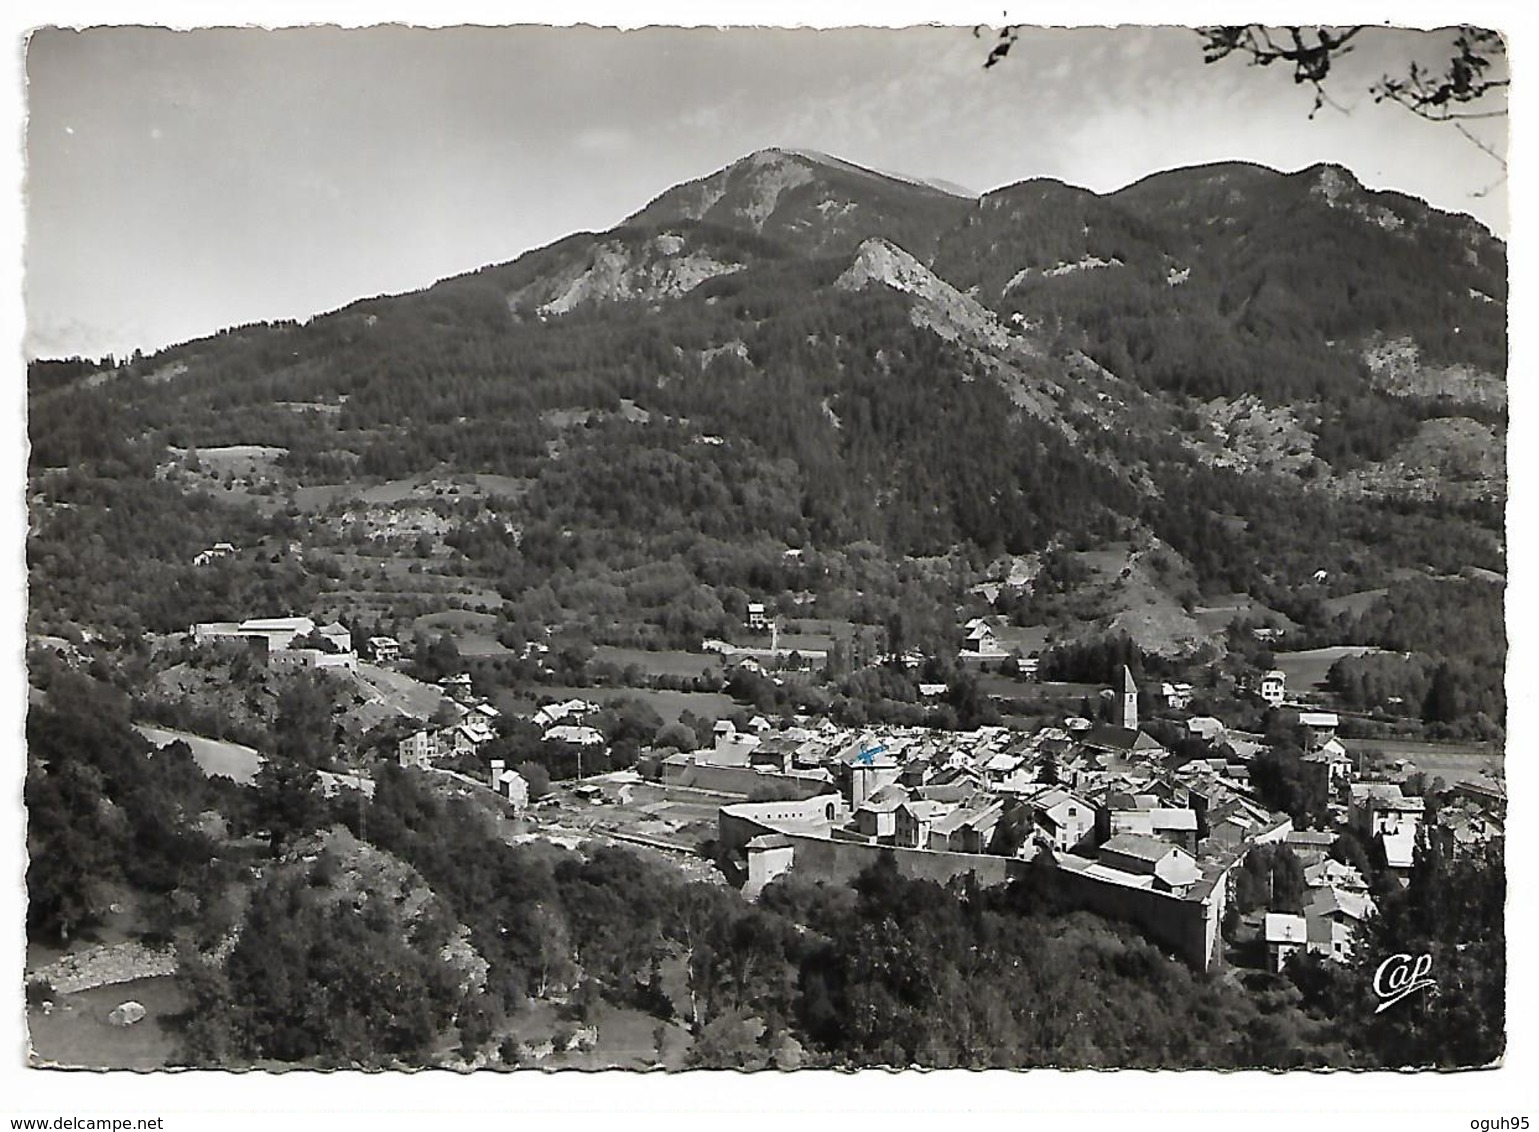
1398 368
939 306
662 267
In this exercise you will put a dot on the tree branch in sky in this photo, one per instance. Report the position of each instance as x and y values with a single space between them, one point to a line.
1470 86
1458 91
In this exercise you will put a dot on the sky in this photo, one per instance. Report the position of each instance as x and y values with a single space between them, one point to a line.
181 182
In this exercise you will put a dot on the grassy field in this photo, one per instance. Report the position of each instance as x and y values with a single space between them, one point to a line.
803 642
77 1033
213 756
1067 695
813 633
474 631
429 487
398 692
1219 611
1032 638
477 645
1107 562
241 459
627 1040
1305 670
322 496
373 582
508 487
1452 762
663 662
1355 603
391 491
992 684
456 621
669 705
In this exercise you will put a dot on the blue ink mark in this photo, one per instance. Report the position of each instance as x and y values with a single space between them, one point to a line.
868 756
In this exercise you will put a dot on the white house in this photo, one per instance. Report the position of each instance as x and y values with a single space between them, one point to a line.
1382 808
981 639
1064 819
510 784
217 551
730 747
1178 697
1286 934
576 734
1174 824
877 815
1272 687
277 632
914 821
291 658
1205 727
459 685
337 635
968 828
1329 873
471 735
1319 729
1400 850
385 650
1149 856
570 710
419 749
1327 927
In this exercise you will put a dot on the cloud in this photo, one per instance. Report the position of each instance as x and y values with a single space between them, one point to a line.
603 140
62 337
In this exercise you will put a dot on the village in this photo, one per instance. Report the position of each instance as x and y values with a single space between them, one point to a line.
1128 828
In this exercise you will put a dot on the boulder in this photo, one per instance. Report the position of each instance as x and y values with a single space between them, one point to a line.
126 1013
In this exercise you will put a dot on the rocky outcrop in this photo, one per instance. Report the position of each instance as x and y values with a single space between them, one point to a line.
1452 458
1395 365
941 307
105 966
660 269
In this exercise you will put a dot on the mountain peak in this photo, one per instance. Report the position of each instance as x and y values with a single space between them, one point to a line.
1331 181
838 163
745 191
811 202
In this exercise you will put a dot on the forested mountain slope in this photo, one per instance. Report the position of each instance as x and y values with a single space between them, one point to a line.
1245 363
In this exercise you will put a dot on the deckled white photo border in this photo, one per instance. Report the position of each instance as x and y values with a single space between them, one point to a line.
571 1100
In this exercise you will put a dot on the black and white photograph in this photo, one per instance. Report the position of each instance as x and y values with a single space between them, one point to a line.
771 548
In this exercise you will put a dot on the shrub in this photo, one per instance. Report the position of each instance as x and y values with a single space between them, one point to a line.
40 991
